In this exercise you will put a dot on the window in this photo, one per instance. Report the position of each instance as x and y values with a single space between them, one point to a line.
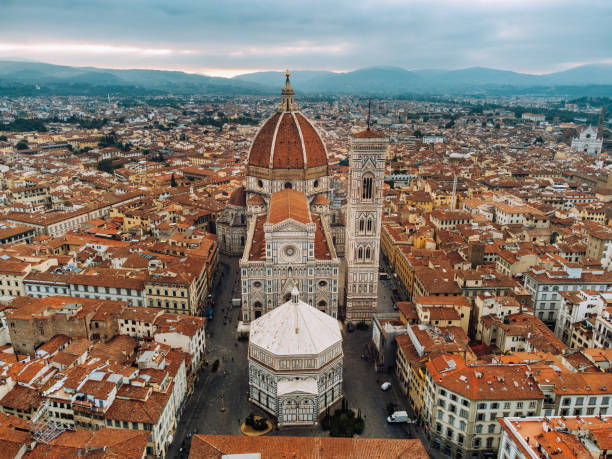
478 428
491 428
366 189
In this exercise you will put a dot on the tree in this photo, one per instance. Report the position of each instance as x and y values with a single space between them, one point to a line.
418 134
3 138
22 145
173 183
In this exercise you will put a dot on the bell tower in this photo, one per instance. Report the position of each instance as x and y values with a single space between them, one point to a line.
368 152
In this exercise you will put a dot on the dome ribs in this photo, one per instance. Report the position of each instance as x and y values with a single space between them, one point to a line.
262 145
315 150
288 152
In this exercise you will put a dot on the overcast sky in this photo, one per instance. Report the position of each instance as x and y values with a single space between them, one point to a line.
228 37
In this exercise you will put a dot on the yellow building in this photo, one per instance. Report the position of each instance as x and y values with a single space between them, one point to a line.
419 199
393 236
12 273
410 372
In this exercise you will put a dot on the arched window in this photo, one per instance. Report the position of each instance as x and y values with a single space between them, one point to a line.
369 225
367 253
361 225
288 185
366 188
360 253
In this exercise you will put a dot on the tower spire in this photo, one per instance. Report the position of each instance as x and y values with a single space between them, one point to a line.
287 103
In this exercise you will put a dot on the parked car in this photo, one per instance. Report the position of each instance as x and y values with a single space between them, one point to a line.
385 386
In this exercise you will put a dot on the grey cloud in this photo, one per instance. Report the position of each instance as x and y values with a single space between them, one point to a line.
514 34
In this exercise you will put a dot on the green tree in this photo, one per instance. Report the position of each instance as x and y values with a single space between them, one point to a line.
3 138
22 145
173 183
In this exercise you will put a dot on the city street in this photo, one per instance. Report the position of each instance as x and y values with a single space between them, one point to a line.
228 386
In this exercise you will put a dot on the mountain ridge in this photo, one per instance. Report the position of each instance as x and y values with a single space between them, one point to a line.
31 78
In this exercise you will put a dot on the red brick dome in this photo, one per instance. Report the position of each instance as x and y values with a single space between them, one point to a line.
287 140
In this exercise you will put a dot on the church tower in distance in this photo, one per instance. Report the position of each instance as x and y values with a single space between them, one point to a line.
368 152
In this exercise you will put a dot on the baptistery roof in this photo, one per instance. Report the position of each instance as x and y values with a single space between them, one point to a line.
295 328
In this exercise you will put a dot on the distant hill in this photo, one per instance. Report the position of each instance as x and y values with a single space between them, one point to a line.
34 78
396 81
43 78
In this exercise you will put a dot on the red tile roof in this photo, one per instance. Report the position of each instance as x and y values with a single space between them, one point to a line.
286 204
215 446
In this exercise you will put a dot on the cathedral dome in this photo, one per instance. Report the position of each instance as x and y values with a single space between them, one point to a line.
287 141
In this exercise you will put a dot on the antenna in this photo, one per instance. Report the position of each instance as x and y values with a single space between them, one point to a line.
369 112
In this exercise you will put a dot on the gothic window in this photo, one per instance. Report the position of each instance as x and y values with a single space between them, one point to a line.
288 185
369 225
367 253
360 253
361 225
366 189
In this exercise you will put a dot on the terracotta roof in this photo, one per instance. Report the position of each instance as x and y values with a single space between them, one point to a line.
22 398
238 197
368 134
256 200
288 203
320 199
215 446
287 141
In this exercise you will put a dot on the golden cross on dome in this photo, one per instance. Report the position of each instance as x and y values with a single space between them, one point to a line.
287 74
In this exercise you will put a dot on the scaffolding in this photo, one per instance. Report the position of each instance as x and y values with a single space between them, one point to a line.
47 431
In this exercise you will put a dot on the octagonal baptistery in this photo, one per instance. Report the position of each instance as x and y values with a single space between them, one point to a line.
295 362
287 152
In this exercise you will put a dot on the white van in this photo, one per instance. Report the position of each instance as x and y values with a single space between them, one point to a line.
398 416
